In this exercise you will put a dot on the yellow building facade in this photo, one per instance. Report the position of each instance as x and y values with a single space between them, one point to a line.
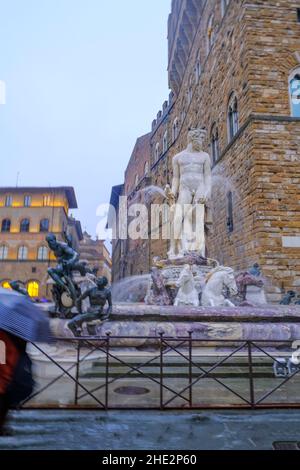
27 215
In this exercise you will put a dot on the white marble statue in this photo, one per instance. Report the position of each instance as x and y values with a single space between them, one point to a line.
187 294
219 280
189 197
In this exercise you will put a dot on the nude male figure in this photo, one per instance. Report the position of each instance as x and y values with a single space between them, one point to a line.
191 189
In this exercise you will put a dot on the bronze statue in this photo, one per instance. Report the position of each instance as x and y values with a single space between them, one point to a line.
255 270
67 259
288 297
65 291
17 287
98 296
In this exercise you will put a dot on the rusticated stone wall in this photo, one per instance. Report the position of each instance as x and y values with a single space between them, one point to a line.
276 201
203 102
134 254
255 47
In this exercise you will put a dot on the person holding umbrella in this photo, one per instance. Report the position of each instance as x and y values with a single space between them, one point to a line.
20 322
15 348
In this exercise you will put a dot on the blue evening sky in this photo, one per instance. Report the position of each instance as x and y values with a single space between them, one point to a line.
84 79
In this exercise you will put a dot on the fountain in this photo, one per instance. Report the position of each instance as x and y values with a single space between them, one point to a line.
132 289
188 304
188 291
188 277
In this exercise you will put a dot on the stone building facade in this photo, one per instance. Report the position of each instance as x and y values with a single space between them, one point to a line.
234 69
117 244
96 254
136 252
138 168
27 215
132 256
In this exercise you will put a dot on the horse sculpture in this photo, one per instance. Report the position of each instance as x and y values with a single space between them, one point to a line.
187 294
219 280
245 279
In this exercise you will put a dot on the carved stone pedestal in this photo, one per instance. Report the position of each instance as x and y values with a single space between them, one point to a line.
165 279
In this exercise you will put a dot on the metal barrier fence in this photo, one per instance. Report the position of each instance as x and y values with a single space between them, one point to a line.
179 373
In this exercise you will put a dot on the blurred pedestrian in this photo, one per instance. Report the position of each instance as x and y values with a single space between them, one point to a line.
20 322
16 381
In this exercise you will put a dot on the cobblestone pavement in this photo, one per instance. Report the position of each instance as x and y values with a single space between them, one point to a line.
97 430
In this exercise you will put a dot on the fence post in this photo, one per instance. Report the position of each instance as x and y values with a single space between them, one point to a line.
107 369
161 372
190 368
251 379
77 372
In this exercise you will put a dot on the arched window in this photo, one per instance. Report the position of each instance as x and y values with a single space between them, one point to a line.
215 149
43 253
136 180
33 288
183 114
210 34
146 168
3 252
233 117
198 70
294 91
24 225
27 201
190 90
175 129
165 142
5 226
157 151
5 285
229 212
46 200
44 225
8 201
22 253
189 94
224 5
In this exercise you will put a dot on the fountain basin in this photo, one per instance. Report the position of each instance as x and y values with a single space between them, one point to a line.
139 325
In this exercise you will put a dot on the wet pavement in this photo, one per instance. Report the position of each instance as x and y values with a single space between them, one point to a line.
150 430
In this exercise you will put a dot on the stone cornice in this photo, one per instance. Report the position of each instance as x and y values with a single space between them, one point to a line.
249 120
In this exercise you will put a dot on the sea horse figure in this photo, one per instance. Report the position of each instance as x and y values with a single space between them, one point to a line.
219 280
187 294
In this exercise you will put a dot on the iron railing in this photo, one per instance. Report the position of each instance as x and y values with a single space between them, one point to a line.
183 373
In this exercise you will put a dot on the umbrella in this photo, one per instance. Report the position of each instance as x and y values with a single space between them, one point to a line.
20 317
